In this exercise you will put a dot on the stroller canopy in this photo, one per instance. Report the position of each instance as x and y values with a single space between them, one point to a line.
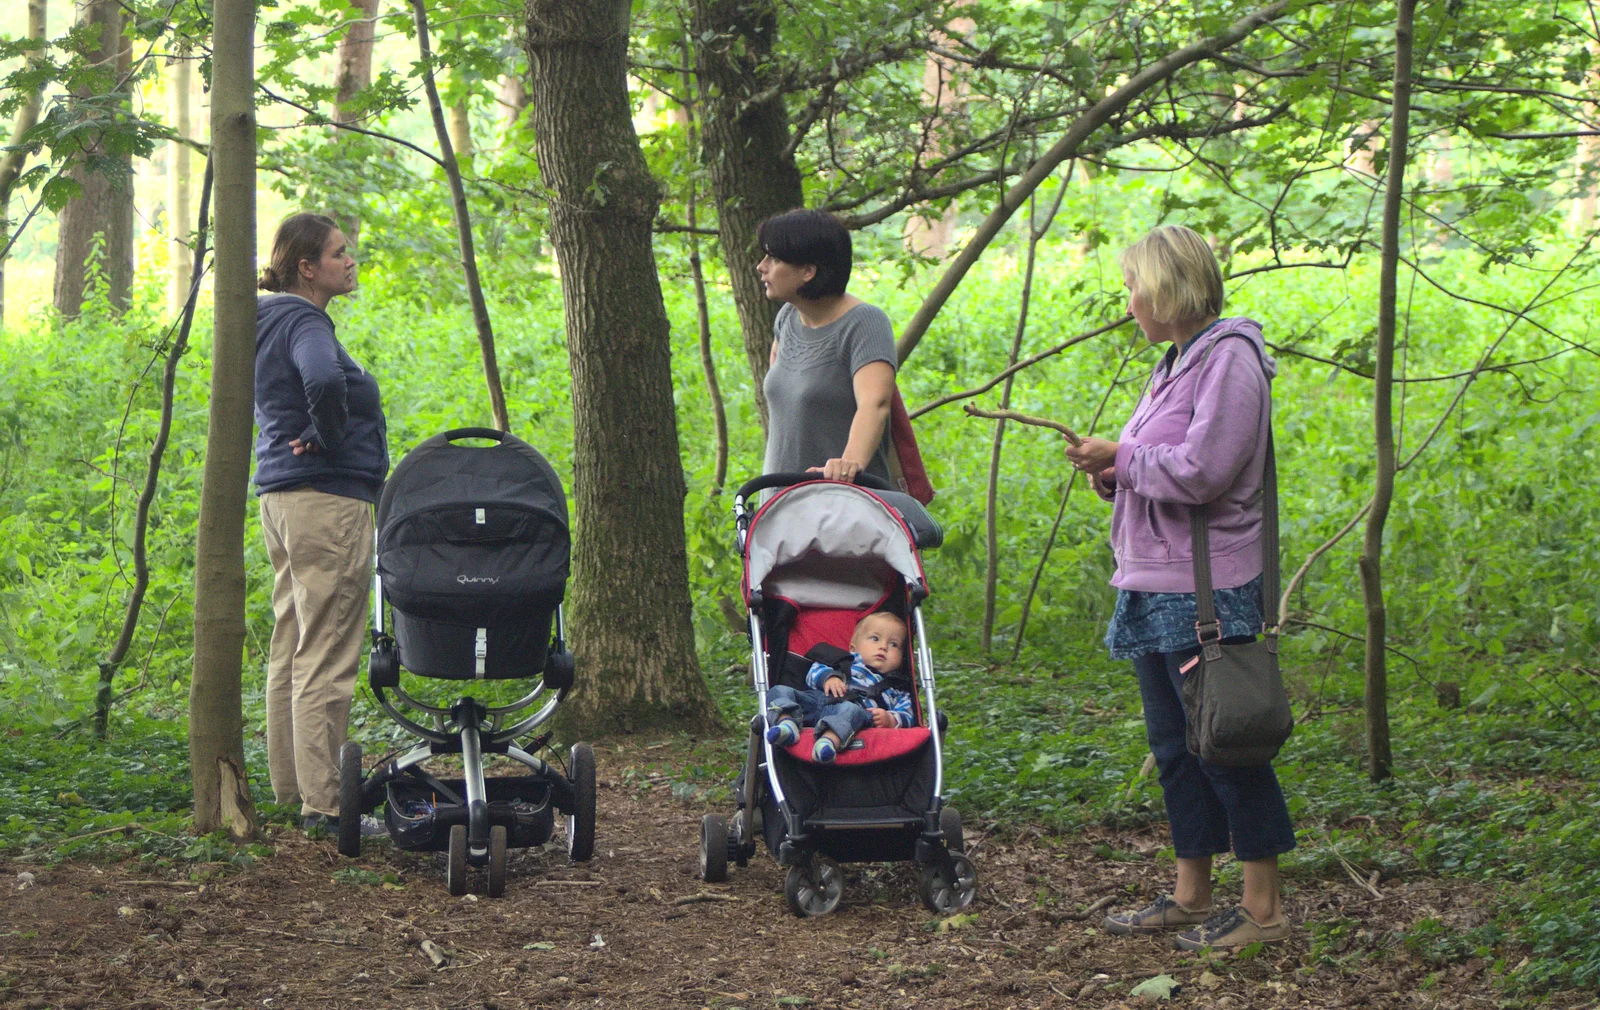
473 536
829 544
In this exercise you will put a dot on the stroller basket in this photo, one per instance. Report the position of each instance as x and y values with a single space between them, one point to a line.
420 819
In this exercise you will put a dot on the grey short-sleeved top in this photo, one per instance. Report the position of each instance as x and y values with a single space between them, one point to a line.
811 398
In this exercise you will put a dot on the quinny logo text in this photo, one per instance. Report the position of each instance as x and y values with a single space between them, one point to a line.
464 579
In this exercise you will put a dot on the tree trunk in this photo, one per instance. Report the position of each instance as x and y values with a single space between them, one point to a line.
152 473
461 129
753 175
181 266
216 720
106 204
708 361
12 161
513 99
354 74
1379 757
945 89
458 206
629 600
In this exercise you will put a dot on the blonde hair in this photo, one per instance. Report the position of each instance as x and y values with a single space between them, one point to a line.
1177 273
877 614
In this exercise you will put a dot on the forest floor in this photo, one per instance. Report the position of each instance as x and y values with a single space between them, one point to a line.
635 928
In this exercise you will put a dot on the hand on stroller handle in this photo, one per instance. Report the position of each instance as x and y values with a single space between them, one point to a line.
770 480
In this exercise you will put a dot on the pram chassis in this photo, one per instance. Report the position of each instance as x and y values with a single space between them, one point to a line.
814 883
472 729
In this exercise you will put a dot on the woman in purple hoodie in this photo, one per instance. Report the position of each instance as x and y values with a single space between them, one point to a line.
1197 437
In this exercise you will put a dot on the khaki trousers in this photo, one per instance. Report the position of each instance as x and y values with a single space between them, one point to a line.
321 550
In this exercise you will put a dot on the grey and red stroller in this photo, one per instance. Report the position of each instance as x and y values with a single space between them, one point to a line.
818 556
472 560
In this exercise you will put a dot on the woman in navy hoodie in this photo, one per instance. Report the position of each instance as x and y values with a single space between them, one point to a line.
321 457
1197 437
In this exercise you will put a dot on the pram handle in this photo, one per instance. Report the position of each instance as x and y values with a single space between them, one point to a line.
768 480
455 433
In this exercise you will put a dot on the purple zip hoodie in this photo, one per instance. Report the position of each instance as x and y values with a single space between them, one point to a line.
1198 435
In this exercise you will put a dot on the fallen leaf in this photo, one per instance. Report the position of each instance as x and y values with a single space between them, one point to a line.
541 945
1209 981
597 942
958 921
793 1000
127 911
1155 989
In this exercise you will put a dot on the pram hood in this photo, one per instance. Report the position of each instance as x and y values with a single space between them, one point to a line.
829 544
474 536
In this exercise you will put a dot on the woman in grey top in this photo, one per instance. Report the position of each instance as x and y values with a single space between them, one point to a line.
833 357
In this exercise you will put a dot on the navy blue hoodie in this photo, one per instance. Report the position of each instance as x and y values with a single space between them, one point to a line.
308 388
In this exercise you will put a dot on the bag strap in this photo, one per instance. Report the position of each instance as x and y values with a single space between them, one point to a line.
1208 630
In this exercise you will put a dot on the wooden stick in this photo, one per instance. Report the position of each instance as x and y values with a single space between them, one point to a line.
1011 415
691 899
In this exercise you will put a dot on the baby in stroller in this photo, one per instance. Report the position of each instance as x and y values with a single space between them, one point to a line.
853 691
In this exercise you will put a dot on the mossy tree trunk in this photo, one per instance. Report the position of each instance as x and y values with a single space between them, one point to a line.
746 149
216 718
628 605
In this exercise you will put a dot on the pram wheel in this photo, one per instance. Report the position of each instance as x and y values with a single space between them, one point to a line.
455 876
350 799
941 895
580 822
813 887
713 849
497 860
739 842
950 824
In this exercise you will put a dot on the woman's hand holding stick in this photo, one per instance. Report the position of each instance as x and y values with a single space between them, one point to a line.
1011 415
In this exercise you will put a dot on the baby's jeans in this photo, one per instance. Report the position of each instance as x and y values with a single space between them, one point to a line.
815 708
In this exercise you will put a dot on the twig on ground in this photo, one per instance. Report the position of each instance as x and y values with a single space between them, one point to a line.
692 899
1011 415
1098 904
1368 885
568 883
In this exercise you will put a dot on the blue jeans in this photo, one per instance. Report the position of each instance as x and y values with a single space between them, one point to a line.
815 708
1207 804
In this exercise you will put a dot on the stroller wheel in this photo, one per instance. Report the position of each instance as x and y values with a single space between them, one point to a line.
497 860
580 822
739 843
713 849
350 799
455 876
950 824
940 895
814 887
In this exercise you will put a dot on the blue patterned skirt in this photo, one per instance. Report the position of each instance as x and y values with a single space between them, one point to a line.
1144 623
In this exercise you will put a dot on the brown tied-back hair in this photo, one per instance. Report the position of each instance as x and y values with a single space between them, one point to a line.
299 237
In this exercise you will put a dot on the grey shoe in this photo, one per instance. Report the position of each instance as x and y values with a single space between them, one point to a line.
1231 930
1160 915
324 825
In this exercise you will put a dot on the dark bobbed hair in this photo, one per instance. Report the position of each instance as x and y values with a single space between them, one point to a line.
299 237
810 238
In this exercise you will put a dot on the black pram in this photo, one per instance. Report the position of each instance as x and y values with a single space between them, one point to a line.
472 556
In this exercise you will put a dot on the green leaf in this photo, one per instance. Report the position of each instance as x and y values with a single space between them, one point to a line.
1155 989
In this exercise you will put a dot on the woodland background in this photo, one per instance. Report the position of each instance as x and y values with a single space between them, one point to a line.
918 122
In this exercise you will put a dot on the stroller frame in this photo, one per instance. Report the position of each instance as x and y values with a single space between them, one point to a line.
814 884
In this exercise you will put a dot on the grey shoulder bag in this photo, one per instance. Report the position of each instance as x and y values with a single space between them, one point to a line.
1238 711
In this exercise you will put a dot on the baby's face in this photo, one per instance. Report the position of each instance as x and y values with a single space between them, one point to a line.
881 641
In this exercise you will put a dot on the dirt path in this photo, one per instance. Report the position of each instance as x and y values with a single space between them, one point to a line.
615 933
